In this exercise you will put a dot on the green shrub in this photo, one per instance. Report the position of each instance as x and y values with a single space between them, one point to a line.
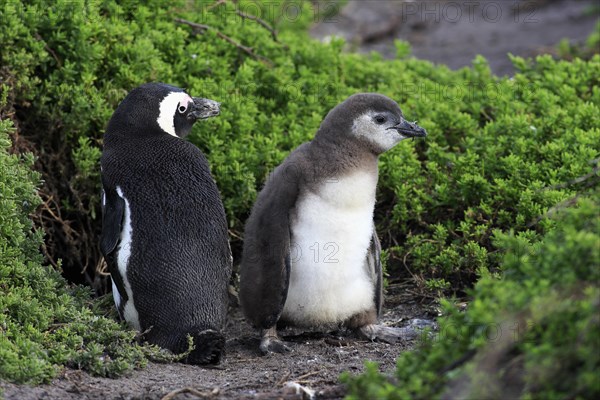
534 332
501 151
568 50
494 142
45 323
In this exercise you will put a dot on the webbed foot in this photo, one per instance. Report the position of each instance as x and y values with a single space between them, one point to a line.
271 343
389 334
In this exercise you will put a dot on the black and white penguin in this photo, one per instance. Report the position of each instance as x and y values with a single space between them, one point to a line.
164 233
311 255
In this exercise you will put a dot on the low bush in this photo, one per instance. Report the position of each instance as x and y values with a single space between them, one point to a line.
500 153
494 142
532 330
44 322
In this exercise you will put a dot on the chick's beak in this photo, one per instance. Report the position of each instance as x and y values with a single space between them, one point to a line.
409 129
203 108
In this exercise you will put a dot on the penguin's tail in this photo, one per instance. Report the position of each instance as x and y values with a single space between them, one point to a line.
209 347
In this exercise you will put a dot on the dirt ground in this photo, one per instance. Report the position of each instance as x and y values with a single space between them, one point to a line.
315 363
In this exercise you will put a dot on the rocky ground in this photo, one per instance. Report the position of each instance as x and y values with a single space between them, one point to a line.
313 366
454 32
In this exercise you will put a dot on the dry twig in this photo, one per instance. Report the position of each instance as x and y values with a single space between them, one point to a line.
590 179
261 22
217 4
581 179
200 28
49 50
250 17
304 376
191 390
283 379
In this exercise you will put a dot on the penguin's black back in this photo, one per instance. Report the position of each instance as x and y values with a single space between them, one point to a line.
180 262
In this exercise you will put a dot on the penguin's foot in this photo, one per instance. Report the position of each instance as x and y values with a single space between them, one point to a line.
392 335
271 343
209 348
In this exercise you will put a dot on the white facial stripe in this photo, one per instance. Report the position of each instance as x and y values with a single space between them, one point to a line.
364 126
168 108
123 254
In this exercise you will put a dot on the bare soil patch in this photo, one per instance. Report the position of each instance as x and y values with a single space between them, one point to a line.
316 362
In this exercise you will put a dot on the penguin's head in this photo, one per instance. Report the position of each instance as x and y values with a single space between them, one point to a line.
372 119
158 108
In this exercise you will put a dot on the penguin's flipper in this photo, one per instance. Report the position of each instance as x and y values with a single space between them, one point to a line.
374 269
267 262
113 212
265 273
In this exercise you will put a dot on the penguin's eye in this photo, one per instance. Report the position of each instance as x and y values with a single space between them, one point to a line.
181 108
380 119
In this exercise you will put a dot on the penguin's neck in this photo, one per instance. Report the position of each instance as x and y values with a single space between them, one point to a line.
342 159
345 176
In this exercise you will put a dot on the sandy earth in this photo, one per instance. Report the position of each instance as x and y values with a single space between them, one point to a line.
315 363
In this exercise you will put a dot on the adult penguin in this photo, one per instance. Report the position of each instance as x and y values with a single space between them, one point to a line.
311 253
164 233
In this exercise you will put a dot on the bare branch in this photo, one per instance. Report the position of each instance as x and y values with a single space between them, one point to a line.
217 4
593 174
200 28
203 395
261 22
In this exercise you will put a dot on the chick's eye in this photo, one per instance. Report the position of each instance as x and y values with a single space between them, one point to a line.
181 108
380 119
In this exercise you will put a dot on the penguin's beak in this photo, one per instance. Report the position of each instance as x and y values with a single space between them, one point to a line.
409 129
203 108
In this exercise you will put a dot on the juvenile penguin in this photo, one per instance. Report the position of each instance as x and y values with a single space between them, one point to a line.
311 256
164 231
